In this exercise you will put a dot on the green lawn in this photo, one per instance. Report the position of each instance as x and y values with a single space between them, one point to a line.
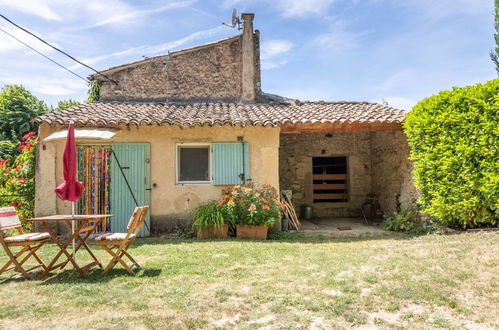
387 282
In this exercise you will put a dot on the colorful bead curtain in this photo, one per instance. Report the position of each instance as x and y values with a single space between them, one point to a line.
94 170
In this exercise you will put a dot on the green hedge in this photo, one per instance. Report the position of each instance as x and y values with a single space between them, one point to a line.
454 139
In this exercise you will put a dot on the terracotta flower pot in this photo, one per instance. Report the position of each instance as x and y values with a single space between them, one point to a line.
253 232
213 231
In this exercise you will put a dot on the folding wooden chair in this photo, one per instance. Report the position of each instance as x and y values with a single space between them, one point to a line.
30 243
117 244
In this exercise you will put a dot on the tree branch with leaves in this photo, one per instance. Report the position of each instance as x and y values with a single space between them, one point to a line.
494 54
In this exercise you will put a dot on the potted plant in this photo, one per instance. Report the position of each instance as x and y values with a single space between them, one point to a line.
210 221
252 208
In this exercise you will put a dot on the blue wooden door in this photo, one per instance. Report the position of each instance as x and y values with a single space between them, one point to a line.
134 159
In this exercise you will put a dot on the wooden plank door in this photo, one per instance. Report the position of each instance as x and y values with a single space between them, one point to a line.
134 159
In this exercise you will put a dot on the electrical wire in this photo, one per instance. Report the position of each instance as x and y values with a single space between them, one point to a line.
40 53
57 49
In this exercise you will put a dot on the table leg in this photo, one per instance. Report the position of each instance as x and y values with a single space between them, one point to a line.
85 245
82 242
63 250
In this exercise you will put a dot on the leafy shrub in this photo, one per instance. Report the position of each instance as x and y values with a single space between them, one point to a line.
8 149
429 226
454 139
251 204
210 214
65 104
17 180
404 220
94 91
17 107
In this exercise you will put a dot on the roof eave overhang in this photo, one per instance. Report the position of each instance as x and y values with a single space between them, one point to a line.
290 128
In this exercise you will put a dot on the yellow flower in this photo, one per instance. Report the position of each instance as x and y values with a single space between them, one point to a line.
252 207
231 202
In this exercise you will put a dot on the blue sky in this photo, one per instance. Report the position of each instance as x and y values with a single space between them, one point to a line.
335 50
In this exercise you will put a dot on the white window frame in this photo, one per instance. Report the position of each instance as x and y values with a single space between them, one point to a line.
177 166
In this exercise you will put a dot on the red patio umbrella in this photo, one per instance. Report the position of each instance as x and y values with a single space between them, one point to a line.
70 189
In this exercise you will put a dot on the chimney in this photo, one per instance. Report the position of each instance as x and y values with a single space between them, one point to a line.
248 50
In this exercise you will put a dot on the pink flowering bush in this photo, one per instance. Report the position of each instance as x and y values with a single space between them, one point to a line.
251 204
17 180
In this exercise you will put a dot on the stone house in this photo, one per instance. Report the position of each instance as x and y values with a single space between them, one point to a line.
193 121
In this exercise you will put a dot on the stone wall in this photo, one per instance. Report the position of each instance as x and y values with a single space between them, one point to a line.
295 168
211 72
377 163
392 170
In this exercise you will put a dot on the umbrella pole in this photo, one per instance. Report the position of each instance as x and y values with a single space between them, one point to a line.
73 225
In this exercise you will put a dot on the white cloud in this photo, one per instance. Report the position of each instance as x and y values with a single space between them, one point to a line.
398 102
289 8
162 48
38 8
129 15
267 65
154 49
305 93
304 8
272 52
56 90
339 38
8 43
46 81
402 78
437 10
93 13
272 48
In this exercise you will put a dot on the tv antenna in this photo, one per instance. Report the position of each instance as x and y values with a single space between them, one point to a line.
235 20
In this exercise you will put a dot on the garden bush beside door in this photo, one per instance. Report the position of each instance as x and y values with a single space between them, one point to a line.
210 221
252 208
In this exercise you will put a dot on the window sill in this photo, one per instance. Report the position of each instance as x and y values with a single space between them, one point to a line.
193 183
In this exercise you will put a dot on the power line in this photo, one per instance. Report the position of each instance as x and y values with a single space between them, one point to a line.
48 58
60 51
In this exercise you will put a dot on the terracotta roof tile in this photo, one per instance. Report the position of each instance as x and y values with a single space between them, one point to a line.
188 115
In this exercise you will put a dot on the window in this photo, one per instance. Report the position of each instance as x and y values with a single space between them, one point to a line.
193 164
330 179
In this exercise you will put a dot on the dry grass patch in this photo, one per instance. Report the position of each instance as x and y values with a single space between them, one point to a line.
385 282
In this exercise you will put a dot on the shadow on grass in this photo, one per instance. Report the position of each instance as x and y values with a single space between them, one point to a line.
290 238
93 276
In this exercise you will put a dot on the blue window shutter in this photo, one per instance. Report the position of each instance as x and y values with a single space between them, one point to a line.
230 159
247 166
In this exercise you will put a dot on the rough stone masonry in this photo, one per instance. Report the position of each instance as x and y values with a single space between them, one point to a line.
227 70
377 163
